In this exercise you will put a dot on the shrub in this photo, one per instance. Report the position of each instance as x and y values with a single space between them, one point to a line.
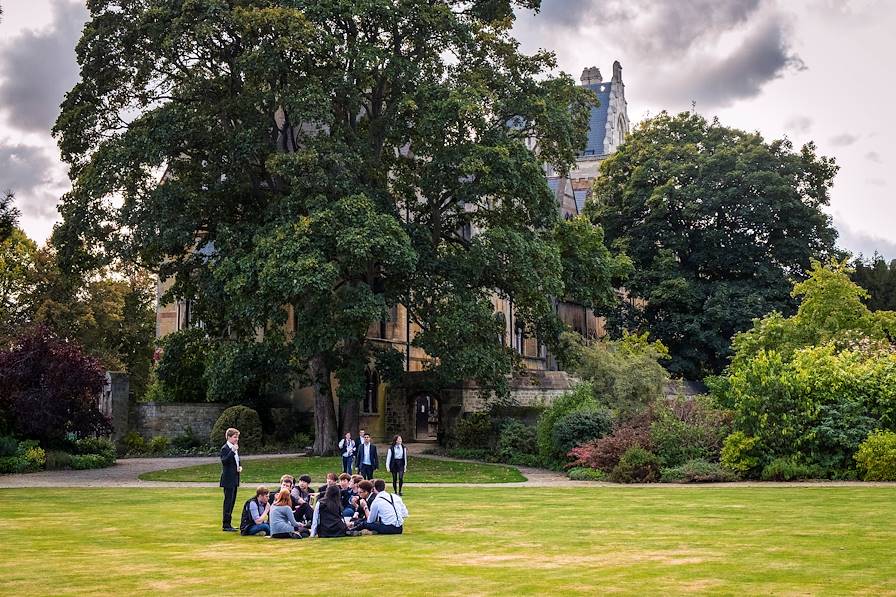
687 429
787 469
88 461
13 464
243 418
188 440
586 474
474 431
8 445
36 458
470 453
156 391
48 386
605 453
533 460
302 440
58 460
579 427
100 447
133 443
580 398
158 445
625 374
742 454
696 471
877 457
637 465
516 440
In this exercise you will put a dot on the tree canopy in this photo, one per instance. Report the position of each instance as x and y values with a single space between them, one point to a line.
717 222
336 157
877 277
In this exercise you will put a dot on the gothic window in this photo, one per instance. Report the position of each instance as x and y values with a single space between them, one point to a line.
370 404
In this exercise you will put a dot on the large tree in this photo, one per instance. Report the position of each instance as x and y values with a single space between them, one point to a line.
331 156
717 222
878 277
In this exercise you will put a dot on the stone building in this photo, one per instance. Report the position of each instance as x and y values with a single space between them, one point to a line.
421 414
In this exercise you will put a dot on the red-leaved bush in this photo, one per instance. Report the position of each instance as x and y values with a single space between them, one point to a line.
604 453
49 387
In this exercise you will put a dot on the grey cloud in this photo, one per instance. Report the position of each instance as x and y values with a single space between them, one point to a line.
763 55
873 156
799 124
712 52
24 168
858 242
844 139
39 67
653 28
33 176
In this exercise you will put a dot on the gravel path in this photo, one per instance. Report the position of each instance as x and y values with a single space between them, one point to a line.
126 471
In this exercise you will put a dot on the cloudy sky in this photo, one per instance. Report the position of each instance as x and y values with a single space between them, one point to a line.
808 69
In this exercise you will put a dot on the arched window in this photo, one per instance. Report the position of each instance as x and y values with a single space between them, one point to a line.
370 404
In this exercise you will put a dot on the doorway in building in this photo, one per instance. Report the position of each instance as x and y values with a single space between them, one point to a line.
426 408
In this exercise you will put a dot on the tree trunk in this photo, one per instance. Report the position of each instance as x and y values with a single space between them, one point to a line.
351 413
325 439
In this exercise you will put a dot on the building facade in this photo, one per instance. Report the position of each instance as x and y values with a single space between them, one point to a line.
419 414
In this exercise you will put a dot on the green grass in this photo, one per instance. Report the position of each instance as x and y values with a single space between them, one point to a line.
463 541
269 470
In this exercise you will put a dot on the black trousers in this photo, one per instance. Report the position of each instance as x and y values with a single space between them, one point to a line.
304 512
229 501
398 477
366 471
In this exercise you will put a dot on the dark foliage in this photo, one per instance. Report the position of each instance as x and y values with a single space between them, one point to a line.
49 387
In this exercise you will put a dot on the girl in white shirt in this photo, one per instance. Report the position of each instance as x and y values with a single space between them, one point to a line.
397 463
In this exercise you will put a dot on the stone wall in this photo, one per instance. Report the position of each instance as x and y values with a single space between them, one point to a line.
170 419
534 389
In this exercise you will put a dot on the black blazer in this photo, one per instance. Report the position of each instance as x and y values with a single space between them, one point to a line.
374 460
229 476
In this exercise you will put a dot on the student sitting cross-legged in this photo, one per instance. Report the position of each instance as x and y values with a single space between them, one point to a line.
255 514
328 520
301 499
387 513
283 522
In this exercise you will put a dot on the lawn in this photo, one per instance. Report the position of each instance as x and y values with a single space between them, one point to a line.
462 541
269 470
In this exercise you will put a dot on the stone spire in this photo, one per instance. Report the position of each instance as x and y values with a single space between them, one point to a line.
591 75
617 72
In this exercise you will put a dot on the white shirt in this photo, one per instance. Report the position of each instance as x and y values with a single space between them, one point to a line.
365 454
382 508
347 447
400 453
236 454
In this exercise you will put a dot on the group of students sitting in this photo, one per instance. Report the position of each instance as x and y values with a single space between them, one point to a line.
347 505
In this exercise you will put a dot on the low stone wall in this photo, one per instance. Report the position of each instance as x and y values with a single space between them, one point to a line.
171 419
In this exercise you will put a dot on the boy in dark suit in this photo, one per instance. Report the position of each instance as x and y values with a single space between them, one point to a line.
367 458
230 475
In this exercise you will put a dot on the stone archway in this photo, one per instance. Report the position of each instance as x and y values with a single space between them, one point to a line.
426 417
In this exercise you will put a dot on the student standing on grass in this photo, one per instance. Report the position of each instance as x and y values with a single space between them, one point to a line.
230 475
367 458
347 447
397 463
255 514
283 523
358 443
